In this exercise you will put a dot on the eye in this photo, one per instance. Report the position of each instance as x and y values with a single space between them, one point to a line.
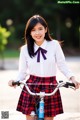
33 30
40 28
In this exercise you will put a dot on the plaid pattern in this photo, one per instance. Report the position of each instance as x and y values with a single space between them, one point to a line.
53 104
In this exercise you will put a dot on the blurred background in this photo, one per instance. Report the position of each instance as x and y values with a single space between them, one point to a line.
64 24
63 21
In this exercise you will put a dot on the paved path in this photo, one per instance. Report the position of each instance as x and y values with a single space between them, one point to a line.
9 96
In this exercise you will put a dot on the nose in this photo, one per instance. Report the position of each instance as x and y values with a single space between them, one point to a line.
37 32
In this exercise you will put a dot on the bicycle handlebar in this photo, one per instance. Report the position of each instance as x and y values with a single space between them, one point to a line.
60 84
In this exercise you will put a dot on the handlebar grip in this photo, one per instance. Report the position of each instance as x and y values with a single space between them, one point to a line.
16 83
69 85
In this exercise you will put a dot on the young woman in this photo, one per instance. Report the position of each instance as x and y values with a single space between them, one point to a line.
39 56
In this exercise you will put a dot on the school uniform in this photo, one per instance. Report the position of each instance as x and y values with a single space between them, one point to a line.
42 71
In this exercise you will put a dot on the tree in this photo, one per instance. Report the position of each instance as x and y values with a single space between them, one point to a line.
63 19
4 34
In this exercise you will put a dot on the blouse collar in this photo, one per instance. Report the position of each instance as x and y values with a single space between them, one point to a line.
43 45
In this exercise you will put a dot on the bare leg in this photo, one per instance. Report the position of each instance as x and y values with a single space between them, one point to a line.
28 117
34 118
49 118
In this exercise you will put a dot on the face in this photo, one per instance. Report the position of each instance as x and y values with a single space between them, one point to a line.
38 33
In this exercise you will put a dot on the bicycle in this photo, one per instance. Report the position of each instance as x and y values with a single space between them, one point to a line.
40 110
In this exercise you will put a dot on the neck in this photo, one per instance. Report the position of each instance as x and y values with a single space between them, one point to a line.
39 43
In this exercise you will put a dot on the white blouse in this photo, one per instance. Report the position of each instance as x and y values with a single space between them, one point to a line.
44 68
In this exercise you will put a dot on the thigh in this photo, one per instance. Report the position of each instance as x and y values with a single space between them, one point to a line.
28 117
49 118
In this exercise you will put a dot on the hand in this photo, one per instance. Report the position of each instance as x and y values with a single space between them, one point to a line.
10 83
77 84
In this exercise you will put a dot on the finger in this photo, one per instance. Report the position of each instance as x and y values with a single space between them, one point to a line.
10 83
77 85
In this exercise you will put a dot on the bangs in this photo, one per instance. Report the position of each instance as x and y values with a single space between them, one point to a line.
34 20
32 23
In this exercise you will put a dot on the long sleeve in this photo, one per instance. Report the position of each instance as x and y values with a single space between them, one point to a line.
61 63
22 66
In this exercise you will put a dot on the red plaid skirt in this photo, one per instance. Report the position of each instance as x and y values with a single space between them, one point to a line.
53 104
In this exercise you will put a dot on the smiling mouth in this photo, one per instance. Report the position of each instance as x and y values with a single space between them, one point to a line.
38 37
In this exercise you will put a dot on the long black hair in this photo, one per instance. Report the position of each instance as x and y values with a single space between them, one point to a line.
29 26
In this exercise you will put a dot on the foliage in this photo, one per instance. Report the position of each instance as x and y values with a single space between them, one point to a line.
19 11
4 34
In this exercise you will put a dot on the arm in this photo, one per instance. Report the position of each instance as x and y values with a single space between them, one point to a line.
22 67
60 58
61 63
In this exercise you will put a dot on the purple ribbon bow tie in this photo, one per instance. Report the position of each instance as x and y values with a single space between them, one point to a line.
43 52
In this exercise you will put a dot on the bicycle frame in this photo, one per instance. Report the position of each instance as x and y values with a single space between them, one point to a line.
40 114
40 110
